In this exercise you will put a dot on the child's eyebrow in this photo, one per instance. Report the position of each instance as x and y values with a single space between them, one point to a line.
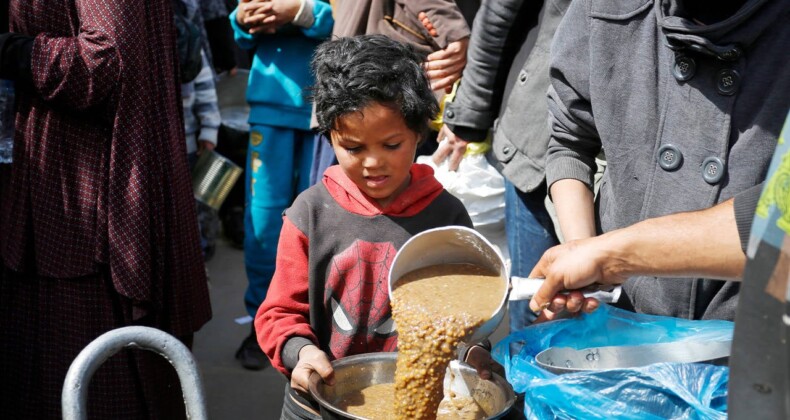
351 139
345 138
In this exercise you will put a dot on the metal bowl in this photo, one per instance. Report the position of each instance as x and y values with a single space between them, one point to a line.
561 360
354 373
453 245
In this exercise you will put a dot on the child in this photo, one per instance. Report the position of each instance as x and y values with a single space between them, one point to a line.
283 36
328 298
201 121
201 126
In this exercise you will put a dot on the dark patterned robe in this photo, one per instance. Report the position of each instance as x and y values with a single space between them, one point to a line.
99 191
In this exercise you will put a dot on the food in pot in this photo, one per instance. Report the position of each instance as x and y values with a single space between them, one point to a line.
435 308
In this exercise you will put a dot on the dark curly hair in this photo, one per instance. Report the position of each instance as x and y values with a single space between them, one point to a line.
352 72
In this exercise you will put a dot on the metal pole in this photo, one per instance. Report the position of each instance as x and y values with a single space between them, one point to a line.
75 387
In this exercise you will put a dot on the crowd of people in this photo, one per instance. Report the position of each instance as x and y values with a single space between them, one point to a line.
639 141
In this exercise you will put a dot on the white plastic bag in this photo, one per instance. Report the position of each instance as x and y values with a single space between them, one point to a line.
481 188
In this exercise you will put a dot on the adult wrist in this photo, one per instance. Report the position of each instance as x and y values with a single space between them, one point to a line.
621 254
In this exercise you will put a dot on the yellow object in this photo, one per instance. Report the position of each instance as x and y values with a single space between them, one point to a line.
438 122
256 138
473 148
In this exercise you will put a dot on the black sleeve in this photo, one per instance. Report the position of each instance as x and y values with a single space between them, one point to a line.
475 106
15 58
223 48
744 205
3 16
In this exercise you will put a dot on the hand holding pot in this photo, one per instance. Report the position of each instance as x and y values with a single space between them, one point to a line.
572 266
311 359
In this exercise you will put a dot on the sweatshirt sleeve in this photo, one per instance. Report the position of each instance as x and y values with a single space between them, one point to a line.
474 109
283 320
206 106
574 139
244 39
321 27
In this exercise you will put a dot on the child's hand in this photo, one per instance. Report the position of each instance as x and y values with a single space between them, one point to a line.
205 145
269 15
246 10
480 359
450 147
311 359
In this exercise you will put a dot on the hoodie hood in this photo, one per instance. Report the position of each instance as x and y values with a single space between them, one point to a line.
422 190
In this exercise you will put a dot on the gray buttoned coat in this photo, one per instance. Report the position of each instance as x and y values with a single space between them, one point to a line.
688 115
504 84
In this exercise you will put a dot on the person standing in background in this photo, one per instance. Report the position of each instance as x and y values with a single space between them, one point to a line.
687 99
283 35
220 35
743 238
438 30
506 80
201 111
96 211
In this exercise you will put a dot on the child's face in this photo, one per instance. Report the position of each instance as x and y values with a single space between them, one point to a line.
376 149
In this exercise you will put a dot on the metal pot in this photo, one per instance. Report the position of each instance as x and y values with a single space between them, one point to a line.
453 245
356 372
213 177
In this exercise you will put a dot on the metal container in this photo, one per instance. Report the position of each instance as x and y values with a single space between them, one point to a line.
453 245
232 99
213 177
354 373
561 360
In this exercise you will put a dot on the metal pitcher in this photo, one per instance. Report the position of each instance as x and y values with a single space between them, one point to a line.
453 245
213 177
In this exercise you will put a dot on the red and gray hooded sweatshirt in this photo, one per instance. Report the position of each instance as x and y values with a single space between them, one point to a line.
336 248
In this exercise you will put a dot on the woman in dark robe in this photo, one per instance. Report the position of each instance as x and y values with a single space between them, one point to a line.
97 220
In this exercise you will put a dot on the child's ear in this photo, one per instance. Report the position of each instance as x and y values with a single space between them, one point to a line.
421 137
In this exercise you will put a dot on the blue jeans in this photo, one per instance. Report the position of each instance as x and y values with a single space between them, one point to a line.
278 167
323 158
530 232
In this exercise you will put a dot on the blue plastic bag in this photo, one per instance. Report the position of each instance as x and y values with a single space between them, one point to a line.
658 391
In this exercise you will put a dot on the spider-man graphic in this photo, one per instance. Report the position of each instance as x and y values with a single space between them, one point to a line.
356 292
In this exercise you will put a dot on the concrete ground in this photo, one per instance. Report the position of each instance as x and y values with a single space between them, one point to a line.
233 392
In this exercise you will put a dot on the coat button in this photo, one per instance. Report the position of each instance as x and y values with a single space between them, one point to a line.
712 170
522 77
669 157
449 114
506 150
684 68
727 81
731 55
